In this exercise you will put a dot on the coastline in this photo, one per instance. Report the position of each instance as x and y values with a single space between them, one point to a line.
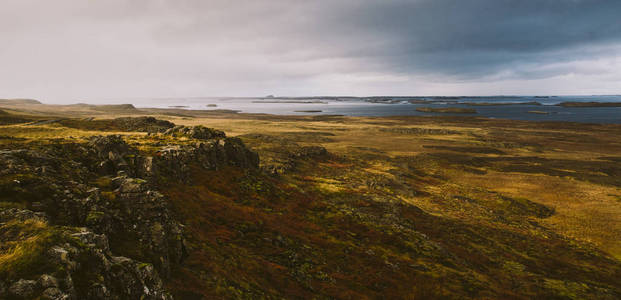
581 112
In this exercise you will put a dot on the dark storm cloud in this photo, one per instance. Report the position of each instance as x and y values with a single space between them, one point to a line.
464 38
482 36
72 48
477 37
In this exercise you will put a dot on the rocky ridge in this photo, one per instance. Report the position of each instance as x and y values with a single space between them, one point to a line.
99 198
78 264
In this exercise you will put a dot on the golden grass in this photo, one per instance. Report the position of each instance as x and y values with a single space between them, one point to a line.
586 211
50 131
23 252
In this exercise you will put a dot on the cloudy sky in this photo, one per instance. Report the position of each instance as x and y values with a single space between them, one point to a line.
66 50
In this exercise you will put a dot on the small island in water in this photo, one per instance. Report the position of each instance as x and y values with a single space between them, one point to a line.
590 104
447 110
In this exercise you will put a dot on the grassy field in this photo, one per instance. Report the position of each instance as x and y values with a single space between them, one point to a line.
404 207
571 168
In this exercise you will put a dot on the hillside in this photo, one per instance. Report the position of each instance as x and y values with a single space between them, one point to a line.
321 207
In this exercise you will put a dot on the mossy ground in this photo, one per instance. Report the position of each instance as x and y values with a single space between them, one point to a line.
24 245
441 207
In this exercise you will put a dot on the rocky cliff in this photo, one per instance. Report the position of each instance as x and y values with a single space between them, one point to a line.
85 220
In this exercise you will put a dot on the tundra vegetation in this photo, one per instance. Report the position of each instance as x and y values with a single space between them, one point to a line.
119 202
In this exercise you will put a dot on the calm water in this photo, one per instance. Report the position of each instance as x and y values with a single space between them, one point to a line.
400 106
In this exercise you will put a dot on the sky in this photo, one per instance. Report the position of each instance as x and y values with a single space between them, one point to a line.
85 51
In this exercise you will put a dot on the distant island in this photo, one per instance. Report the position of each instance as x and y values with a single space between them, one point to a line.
448 110
590 104
500 103
539 112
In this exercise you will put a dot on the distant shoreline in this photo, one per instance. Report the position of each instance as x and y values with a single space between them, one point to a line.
583 110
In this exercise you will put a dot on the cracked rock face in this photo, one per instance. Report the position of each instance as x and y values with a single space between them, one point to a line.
212 154
133 212
105 230
212 150
81 266
140 218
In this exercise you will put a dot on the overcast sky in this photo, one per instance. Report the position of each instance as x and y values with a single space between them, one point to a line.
66 50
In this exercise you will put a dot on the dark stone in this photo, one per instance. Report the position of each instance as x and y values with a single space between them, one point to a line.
24 289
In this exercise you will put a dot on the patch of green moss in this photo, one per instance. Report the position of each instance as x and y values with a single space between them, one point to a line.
143 265
94 217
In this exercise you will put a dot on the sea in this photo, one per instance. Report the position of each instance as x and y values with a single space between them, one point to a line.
530 108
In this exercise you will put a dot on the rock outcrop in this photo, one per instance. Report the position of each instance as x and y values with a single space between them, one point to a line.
101 199
195 132
143 124
212 154
77 264
138 221
125 124
204 147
